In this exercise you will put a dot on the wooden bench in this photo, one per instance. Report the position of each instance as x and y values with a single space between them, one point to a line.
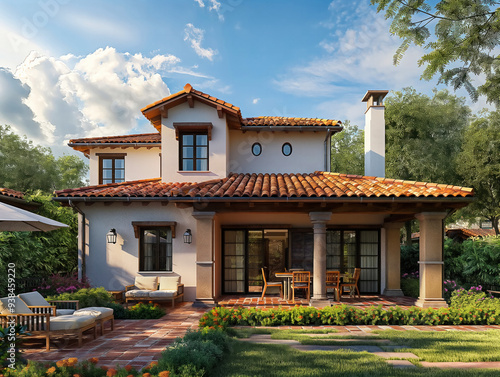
168 288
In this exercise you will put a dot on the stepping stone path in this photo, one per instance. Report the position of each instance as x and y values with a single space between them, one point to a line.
402 357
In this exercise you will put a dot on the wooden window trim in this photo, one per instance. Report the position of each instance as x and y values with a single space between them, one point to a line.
193 127
153 224
181 156
114 156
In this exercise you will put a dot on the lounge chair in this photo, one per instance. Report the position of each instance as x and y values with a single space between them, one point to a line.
38 304
14 310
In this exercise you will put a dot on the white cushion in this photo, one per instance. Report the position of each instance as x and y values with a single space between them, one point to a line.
70 322
97 312
137 293
162 293
34 299
64 312
146 282
17 306
169 282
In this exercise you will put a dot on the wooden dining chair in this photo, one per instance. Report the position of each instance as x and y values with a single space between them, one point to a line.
270 284
333 282
352 283
301 280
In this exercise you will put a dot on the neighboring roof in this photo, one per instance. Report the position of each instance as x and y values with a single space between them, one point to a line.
146 140
467 233
11 193
314 185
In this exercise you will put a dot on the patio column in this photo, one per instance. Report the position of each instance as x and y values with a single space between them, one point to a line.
204 241
431 260
319 220
393 259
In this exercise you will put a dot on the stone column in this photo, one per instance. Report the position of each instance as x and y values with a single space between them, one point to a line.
431 259
393 259
203 238
319 220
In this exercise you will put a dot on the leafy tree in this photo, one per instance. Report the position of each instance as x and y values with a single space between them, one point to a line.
41 253
347 151
480 165
462 45
28 167
424 135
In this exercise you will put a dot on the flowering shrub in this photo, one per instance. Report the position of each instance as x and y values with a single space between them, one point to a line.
221 318
449 287
410 284
474 297
411 275
87 297
58 284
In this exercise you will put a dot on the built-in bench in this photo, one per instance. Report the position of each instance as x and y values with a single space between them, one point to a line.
154 288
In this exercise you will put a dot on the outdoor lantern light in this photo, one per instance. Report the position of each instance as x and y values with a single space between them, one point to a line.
111 236
188 237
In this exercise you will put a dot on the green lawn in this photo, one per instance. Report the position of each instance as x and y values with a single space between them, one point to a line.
248 359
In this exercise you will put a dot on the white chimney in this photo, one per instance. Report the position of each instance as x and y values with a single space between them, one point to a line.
375 133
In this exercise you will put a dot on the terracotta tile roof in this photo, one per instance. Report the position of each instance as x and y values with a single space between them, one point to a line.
467 233
314 185
11 193
189 89
154 137
289 121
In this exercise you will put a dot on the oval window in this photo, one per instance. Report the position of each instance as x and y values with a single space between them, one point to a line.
256 149
286 149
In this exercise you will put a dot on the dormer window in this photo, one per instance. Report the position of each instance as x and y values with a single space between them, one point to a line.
193 151
111 168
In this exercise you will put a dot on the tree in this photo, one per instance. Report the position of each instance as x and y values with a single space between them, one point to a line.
463 45
480 165
347 152
28 167
424 135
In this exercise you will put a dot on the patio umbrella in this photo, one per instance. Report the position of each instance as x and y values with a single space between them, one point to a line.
16 219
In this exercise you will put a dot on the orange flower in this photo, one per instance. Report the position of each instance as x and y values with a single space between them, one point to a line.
72 361
111 372
94 360
146 375
153 363
51 370
165 373
77 375
62 363
104 368
130 375
128 368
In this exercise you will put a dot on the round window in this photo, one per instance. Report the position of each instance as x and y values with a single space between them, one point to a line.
286 149
256 149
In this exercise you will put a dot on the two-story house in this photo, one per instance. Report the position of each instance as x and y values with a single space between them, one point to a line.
214 197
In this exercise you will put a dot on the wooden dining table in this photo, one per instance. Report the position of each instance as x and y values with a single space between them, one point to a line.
287 283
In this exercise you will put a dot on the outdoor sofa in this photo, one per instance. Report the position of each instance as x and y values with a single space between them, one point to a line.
154 288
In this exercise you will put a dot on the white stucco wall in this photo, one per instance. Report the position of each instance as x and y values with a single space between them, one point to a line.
140 163
308 152
170 146
113 266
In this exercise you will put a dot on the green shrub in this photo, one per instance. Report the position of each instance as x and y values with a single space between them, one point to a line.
410 287
472 298
145 311
196 354
409 258
87 297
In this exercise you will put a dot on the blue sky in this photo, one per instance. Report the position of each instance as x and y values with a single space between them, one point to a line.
71 68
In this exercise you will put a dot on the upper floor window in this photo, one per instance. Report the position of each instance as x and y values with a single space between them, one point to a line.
256 149
286 149
193 151
111 168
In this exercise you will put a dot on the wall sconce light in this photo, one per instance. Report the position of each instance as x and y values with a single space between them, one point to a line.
188 237
111 236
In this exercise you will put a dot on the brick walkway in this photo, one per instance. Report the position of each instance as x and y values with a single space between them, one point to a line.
133 342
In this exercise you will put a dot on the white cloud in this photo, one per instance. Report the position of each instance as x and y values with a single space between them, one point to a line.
214 5
52 99
195 36
255 101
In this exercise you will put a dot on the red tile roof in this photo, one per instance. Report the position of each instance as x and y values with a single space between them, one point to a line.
314 185
288 121
11 193
138 138
467 233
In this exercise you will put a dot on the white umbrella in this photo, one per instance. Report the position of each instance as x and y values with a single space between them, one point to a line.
16 219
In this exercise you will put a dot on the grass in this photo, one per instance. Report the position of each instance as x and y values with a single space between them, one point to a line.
249 359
